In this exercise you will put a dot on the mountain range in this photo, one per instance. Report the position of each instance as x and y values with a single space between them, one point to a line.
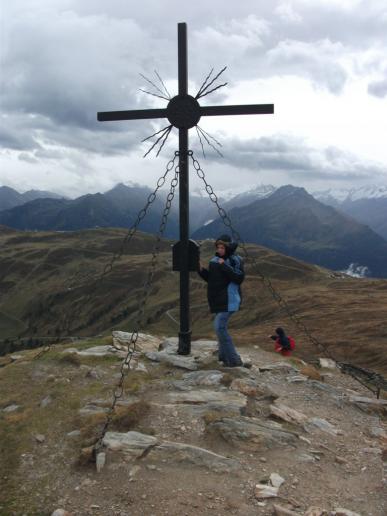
293 222
332 233
367 204
10 198
116 208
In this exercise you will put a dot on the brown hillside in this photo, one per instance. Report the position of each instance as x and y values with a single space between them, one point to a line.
47 289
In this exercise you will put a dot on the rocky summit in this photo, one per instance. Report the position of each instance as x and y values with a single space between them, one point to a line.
187 436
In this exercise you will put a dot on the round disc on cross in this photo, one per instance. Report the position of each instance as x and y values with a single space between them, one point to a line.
183 111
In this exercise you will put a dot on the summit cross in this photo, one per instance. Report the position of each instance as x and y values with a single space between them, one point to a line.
184 112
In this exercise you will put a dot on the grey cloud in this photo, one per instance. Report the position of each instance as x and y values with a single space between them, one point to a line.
258 52
292 158
28 158
317 60
378 88
356 25
64 60
16 140
70 69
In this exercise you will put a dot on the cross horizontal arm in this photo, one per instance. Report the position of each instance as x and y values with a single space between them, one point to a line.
135 114
248 109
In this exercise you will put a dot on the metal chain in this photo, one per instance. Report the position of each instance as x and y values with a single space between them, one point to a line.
131 232
125 366
65 326
365 376
372 377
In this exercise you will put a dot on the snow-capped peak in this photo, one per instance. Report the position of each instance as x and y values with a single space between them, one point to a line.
256 191
352 194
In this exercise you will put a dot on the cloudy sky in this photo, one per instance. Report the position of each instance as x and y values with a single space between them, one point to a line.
323 63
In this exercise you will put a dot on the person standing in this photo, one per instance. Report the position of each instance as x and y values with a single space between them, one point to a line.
224 277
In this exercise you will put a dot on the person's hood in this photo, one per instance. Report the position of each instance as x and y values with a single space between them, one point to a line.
232 248
229 245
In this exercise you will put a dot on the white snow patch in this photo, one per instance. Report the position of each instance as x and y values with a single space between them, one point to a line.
357 271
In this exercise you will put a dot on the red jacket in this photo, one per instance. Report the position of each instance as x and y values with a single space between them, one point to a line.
284 352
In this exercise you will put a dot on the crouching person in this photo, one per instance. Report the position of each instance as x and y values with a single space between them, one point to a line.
283 344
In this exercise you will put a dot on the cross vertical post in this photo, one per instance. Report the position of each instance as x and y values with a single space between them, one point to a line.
184 347
184 112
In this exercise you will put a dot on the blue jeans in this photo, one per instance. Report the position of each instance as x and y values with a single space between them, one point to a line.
227 352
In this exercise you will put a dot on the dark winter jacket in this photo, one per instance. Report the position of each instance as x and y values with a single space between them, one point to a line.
224 280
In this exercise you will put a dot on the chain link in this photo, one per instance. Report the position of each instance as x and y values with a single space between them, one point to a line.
374 378
125 366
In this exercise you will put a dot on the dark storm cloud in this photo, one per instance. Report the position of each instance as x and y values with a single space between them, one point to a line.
64 60
34 134
61 70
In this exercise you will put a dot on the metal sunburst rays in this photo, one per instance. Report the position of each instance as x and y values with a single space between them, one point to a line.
203 90
208 86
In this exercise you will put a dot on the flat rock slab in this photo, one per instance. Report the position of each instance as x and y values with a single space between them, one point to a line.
297 378
329 389
187 454
263 491
198 397
211 377
133 444
237 372
248 387
15 357
202 354
164 357
97 351
276 480
144 342
251 433
323 425
102 406
367 401
198 378
213 409
197 346
283 511
280 411
369 405
210 345
306 457
11 408
327 363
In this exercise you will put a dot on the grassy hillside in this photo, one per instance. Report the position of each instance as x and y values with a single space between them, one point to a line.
47 289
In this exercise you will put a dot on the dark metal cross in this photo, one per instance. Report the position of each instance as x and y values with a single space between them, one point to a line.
184 112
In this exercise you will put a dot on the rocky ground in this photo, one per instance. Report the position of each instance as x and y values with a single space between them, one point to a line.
188 436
